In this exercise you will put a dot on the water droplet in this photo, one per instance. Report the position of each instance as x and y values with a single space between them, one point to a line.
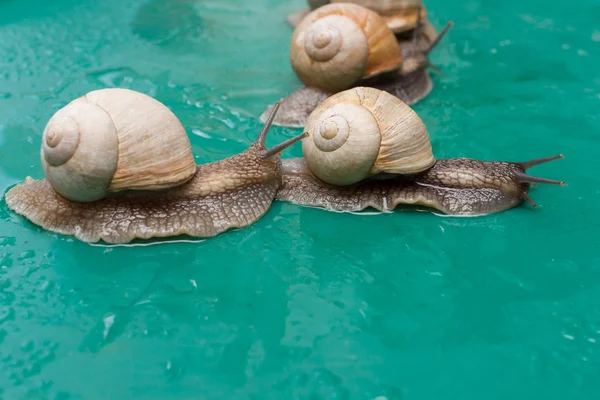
4 283
27 346
46 286
6 313
108 322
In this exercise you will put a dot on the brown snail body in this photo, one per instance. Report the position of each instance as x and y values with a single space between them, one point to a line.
366 148
398 66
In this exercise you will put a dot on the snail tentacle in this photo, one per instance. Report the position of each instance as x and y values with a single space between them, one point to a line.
532 163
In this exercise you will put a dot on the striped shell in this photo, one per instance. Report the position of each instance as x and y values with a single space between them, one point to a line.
112 140
365 131
337 45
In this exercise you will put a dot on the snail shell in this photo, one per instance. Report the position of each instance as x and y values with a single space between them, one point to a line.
364 131
337 45
112 140
399 15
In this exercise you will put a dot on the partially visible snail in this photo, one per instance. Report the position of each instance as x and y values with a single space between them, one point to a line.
119 166
399 15
339 46
366 148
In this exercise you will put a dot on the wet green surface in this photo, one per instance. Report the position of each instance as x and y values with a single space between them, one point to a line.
308 304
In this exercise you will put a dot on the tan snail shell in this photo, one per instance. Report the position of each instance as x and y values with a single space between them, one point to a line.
399 15
364 131
111 140
337 45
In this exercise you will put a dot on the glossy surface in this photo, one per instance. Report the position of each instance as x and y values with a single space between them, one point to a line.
306 303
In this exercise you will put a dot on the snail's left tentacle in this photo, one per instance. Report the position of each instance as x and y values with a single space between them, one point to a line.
532 163
439 37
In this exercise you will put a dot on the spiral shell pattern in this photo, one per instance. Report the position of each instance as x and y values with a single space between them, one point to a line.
362 132
60 140
337 45
323 40
343 144
112 140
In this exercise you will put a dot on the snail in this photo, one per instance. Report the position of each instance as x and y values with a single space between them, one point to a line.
119 166
367 148
339 46
399 15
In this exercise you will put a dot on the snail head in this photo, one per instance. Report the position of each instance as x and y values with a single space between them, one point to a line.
509 179
260 142
525 180
416 51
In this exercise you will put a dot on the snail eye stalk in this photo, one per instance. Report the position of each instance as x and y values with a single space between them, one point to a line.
262 136
282 146
522 177
439 37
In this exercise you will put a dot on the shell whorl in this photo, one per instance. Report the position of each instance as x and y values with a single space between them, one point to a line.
323 39
79 165
337 45
112 140
362 132
60 140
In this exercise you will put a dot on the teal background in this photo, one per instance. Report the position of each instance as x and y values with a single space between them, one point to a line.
307 304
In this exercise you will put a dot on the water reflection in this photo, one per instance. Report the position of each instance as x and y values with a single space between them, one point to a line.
167 22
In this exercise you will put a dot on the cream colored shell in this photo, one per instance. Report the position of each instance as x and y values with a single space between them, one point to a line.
337 45
399 15
112 140
362 132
